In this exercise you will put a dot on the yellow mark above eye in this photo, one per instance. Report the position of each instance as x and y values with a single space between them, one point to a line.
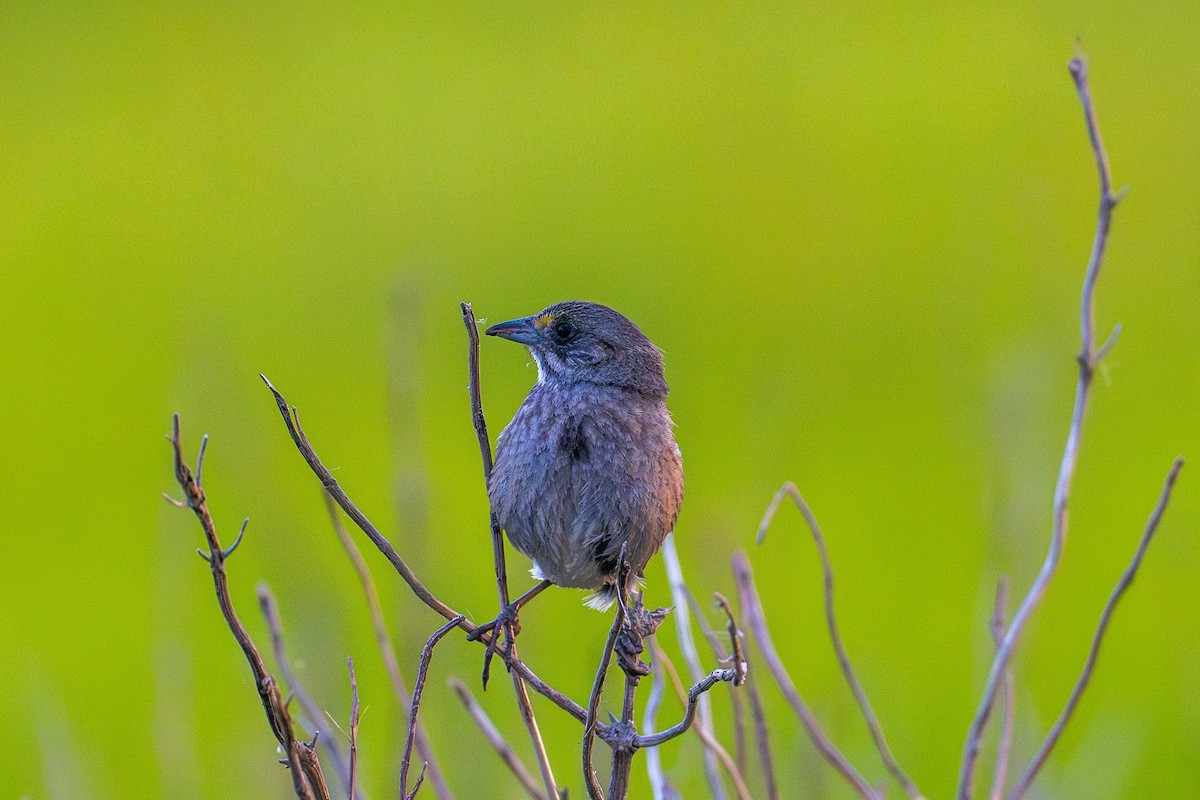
543 320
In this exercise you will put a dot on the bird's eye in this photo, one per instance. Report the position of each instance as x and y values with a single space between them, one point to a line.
564 331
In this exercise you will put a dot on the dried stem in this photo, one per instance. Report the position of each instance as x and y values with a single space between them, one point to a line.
384 641
860 696
1094 652
593 709
748 595
307 778
654 770
1087 360
687 645
1007 695
510 624
354 717
292 420
497 740
316 717
723 657
418 690
762 737
689 699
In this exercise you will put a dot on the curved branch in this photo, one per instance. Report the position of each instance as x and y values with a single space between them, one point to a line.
789 489
744 577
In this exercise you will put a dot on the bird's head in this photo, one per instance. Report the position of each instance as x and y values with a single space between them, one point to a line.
581 342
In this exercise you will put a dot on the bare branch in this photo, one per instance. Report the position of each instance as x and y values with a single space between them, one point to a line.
353 728
1117 593
384 641
789 489
723 657
687 645
307 778
1007 695
654 770
497 740
689 703
1066 470
418 689
292 421
510 625
744 576
270 612
593 709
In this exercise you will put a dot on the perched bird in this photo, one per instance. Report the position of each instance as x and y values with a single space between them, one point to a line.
589 465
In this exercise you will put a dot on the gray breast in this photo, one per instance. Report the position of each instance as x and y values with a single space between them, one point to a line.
581 470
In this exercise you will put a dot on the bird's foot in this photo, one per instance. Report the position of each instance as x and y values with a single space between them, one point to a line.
506 625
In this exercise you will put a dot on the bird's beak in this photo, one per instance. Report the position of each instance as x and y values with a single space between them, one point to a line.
516 330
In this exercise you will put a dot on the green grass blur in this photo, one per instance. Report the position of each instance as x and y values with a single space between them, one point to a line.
857 232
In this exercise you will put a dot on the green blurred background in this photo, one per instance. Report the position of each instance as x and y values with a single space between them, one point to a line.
857 232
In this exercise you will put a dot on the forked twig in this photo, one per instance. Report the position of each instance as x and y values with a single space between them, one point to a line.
1087 360
418 690
496 740
748 595
789 489
723 657
689 698
307 779
1094 652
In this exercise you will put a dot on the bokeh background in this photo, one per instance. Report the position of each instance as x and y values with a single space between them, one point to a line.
857 232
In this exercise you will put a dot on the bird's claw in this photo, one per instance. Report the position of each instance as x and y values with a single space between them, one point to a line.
506 625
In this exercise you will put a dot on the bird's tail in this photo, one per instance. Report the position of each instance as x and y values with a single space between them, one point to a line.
603 598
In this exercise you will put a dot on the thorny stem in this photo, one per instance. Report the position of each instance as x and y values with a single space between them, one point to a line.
1066 472
1094 652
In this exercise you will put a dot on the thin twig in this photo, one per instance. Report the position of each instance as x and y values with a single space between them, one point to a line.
1094 652
1087 366
485 450
354 717
723 657
292 420
307 779
687 645
270 612
762 737
748 595
1007 695
688 698
654 769
789 489
384 641
418 689
593 709
497 740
